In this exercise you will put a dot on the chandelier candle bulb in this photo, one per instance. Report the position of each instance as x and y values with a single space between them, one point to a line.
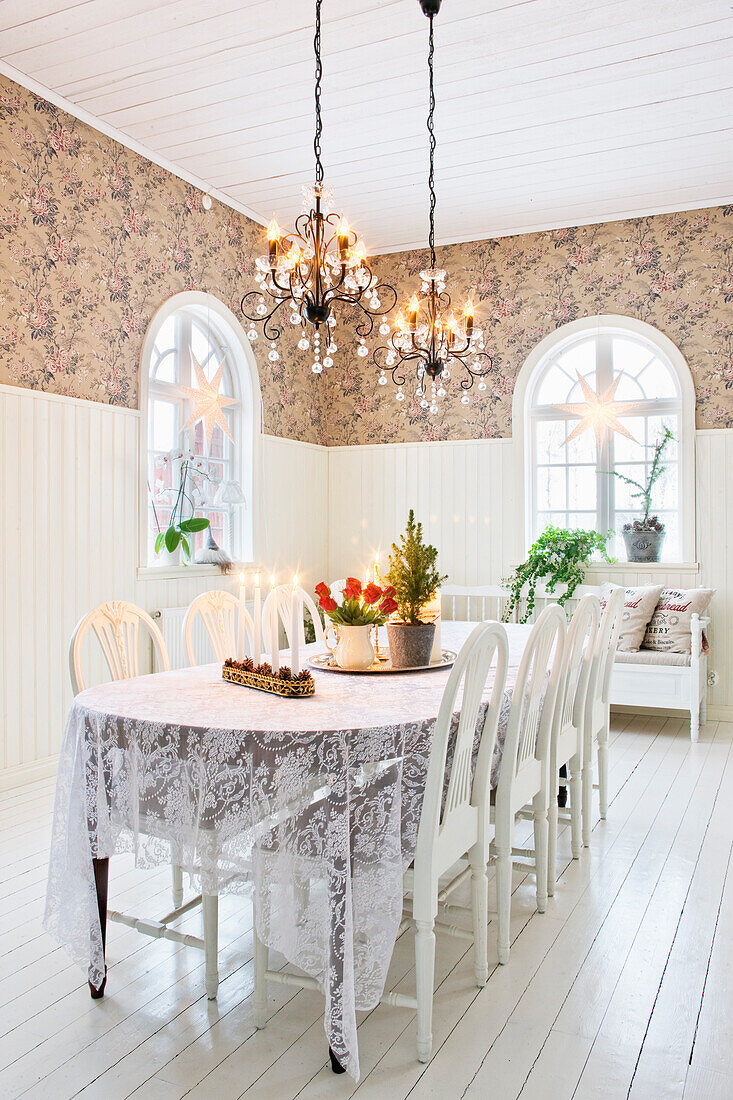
240 619
273 237
343 241
295 628
257 620
275 653
412 311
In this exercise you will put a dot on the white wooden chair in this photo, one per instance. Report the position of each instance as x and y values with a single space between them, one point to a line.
117 626
337 588
461 828
596 719
473 603
524 772
566 742
219 615
277 609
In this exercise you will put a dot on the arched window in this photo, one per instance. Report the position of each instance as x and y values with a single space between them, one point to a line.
194 328
570 484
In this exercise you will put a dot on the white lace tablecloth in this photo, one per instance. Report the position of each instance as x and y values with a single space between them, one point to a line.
247 792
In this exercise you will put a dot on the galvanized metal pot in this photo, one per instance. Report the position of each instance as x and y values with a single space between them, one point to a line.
645 545
410 644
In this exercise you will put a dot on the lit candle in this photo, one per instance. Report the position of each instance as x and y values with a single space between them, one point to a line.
273 237
368 577
275 626
469 314
257 619
295 628
412 311
240 621
376 569
343 240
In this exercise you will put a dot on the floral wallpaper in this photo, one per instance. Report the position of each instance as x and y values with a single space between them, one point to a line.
674 271
93 238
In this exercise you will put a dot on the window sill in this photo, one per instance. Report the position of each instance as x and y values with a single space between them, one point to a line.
180 572
691 567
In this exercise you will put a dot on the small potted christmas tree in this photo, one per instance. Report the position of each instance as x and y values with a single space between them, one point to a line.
644 537
415 579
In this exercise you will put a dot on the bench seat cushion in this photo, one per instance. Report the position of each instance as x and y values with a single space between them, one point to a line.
653 657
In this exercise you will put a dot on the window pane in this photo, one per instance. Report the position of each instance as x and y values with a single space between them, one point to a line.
629 355
581 359
555 387
582 487
628 389
551 487
550 437
165 425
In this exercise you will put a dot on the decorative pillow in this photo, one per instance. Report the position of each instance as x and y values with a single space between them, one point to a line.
639 604
670 629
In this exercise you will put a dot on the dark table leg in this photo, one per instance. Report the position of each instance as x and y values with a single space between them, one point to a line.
101 879
335 1064
562 791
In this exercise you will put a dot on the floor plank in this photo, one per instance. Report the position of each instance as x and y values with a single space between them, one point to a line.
621 990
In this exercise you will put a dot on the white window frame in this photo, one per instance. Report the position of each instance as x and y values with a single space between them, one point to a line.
247 425
550 347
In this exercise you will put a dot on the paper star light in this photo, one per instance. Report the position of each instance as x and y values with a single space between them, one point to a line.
208 403
599 412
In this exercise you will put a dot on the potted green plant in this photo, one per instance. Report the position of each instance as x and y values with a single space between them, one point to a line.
644 537
559 556
415 578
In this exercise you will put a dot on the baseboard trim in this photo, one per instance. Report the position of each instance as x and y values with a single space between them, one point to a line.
715 714
22 774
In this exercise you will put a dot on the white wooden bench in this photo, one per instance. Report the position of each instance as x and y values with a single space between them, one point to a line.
668 681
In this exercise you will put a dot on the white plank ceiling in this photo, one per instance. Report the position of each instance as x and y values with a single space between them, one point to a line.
550 112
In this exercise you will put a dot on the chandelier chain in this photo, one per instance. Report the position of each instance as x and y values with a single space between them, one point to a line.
319 74
433 143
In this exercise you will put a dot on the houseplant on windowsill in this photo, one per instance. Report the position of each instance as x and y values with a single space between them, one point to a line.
415 579
644 537
558 556
361 609
176 535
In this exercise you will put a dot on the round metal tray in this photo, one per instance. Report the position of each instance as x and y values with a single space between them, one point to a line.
324 662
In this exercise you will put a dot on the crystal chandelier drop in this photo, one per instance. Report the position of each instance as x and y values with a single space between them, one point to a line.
427 337
319 263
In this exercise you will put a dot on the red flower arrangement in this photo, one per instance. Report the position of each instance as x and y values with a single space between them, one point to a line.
367 605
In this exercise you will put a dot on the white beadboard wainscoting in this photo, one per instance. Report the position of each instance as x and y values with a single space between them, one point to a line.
467 497
69 514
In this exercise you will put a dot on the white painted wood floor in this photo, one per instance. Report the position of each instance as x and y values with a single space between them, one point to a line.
621 989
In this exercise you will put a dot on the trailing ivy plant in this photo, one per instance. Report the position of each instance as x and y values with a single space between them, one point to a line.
559 556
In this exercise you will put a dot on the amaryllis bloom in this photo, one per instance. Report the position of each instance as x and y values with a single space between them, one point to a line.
328 603
372 593
352 588
388 605
389 592
322 589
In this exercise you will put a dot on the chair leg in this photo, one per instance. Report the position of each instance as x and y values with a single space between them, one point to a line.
540 855
603 779
587 794
425 974
480 913
177 879
552 847
210 905
261 955
503 899
575 788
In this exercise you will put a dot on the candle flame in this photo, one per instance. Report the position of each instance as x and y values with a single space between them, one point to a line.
257 580
272 580
343 228
414 305
273 231
468 310
295 580
241 579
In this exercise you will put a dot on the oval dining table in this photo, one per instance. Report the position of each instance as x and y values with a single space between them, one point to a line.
312 805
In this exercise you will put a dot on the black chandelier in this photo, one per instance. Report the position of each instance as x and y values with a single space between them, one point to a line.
321 262
426 335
